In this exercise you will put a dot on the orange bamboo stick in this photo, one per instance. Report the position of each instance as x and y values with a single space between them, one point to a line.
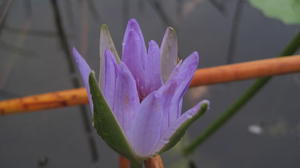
123 162
154 162
205 76
44 101
247 70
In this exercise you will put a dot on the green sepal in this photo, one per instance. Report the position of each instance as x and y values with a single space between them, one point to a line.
106 42
179 133
168 53
287 11
106 124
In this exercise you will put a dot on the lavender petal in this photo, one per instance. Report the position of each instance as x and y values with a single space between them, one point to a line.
152 75
85 71
188 116
181 76
126 100
133 56
146 131
106 42
109 82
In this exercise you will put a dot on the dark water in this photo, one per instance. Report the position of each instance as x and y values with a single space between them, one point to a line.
266 133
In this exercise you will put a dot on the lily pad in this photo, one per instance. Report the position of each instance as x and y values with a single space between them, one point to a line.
287 11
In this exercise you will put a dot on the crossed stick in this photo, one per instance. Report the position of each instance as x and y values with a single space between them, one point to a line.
205 76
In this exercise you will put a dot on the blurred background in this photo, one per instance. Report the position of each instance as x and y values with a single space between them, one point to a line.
35 41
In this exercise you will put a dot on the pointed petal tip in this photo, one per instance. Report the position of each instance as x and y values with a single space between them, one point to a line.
75 51
195 54
170 31
205 104
153 43
153 50
104 26
200 106
192 59
77 56
132 21
92 73
198 110
80 61
169 28
134 25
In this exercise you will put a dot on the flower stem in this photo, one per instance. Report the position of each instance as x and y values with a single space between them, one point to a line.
135 165
123 162
290 49
154 162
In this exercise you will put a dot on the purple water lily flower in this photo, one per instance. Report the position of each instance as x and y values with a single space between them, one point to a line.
145 89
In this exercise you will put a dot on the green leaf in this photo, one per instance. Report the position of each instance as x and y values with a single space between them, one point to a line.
181 130
287 11
106 124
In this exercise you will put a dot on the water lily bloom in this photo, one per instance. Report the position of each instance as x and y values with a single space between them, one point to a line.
137 102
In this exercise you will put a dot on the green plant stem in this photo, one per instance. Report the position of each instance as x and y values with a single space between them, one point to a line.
134 164
290 49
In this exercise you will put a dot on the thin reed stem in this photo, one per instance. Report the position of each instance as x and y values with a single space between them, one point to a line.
290 49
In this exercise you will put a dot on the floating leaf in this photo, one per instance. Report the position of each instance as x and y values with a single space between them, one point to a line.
287 11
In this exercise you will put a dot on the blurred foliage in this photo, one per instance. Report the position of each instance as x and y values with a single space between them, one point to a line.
232 110
287 11
177 161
